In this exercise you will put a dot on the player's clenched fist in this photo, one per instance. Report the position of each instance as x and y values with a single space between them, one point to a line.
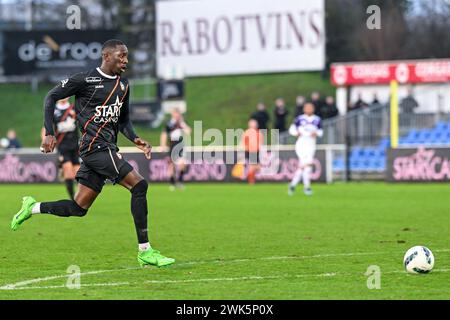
144 146
48 144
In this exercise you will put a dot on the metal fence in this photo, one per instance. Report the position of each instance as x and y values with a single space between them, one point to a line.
367 126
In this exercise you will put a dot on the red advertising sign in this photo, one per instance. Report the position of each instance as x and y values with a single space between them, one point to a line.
420 71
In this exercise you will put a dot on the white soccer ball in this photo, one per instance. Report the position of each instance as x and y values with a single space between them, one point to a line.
4 143
418 259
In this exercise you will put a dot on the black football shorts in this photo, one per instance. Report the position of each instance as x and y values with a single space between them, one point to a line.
68 156
176 151
100 166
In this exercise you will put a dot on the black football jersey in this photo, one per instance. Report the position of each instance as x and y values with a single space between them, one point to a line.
101 107
174 132
66 130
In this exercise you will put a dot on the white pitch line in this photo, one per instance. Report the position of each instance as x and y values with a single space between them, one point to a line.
22 284
37 280
182 281
246 278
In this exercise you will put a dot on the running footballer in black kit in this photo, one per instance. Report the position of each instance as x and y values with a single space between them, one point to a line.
102 110
66 133
174 130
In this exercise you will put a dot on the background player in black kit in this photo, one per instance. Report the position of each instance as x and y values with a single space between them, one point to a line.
174 130
66 133
101 106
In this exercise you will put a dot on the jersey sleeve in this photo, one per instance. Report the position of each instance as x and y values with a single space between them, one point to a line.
319 128
66 88
293 130
125 125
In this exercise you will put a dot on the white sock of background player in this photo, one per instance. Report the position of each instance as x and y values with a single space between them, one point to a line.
307 177
297 177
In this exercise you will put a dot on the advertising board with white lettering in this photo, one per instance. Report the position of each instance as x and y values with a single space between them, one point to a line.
418 71
53 53
204 37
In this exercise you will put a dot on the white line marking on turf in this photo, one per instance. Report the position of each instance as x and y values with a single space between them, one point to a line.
183 281
37 280
246 278
22 284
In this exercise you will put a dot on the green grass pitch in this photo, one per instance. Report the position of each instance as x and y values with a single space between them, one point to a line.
232 242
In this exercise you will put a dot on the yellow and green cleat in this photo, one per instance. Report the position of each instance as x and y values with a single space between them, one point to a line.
153 257
24 213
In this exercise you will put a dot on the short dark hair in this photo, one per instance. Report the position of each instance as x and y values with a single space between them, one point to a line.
112 43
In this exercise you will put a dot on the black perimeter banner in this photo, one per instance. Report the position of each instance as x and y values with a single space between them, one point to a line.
54 54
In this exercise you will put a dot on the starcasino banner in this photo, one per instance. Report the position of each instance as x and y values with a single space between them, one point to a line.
54 54
205 37
418 165
39 168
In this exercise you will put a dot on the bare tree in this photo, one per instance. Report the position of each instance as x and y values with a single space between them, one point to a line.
385 43
429 35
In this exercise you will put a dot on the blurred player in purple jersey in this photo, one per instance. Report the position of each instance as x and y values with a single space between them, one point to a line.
306 128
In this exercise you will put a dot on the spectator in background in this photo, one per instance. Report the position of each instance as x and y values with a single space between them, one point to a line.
13 142
299 103
408 104
328 109
261 116
317 102
280 114
375 100
359 104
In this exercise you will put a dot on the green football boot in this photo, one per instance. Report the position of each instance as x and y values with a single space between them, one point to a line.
153 257
24 213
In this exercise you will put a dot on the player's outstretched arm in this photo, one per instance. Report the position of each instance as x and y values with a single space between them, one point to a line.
126 127
319 132
144 146
127 130
293 130
186 129
163 140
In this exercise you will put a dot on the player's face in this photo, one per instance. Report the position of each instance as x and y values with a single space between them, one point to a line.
63 101
308 109
119 59
176 115
252 124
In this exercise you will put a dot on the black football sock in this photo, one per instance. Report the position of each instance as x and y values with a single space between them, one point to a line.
181 175
69 186
139 210
63 208
172 179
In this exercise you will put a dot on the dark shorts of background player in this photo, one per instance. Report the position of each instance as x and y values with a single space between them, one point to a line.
252 157
65 155
176 152
100 166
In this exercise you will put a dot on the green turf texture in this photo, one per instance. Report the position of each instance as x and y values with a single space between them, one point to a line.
219 102
234 241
